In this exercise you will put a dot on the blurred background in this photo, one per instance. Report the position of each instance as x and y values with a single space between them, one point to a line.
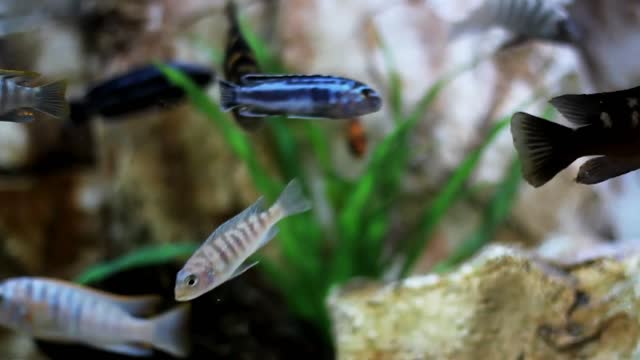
418 187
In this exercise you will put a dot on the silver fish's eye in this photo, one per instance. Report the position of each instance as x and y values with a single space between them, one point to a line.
191 280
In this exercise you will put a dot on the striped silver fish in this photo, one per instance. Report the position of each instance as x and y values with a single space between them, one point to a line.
301 96
20 97
526 19
222 256
59 311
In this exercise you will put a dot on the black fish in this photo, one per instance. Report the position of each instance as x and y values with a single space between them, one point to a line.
239 60
607 124
138 90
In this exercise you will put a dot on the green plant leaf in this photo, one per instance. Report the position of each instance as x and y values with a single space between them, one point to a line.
152 255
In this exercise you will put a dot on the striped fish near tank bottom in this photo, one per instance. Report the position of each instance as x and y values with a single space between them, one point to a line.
222 256
63 312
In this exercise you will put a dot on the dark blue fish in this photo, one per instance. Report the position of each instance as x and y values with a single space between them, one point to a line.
138 90
302 96
606 124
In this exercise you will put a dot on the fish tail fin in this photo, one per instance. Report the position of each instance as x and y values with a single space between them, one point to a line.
50 99
544 147
171 331
228 98
292 200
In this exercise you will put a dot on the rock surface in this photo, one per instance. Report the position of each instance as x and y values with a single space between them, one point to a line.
503 304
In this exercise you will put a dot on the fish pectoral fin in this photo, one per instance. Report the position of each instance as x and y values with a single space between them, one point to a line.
242 268
125 349
306 117
246 112
19 115
603 168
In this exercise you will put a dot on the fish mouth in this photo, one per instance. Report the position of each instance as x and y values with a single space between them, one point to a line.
182 296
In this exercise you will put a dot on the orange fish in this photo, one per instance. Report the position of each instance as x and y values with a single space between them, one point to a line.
357 137
60 311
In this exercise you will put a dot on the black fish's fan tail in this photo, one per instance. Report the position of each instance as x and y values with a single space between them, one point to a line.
228 98
50 99
544 147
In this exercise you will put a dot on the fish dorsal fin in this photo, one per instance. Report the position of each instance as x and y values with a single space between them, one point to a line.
257 207
253 78
137 305
588 109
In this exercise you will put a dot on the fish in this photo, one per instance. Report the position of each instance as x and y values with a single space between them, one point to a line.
137 90
299 96
239 60
63 312
525 19
223 255
356 137
605 125
21 97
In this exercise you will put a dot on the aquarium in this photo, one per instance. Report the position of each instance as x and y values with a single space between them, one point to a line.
319 179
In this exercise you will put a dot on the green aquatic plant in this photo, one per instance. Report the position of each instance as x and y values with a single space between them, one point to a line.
313 256
152 255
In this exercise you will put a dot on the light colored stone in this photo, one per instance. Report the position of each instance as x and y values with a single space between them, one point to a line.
503 304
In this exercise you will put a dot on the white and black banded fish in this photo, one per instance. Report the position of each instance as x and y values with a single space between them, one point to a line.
525 19
301 96
59 311
20 97
222 256
607 125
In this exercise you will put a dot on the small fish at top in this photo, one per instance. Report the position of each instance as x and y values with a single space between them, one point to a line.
239 60
21 96
299 96
525 19
607 125
223 255
137 90
63 312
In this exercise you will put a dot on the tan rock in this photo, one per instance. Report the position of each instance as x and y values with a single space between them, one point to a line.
501 305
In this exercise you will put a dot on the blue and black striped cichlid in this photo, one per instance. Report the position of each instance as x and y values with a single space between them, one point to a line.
606 125
301 96
64 312
20 97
